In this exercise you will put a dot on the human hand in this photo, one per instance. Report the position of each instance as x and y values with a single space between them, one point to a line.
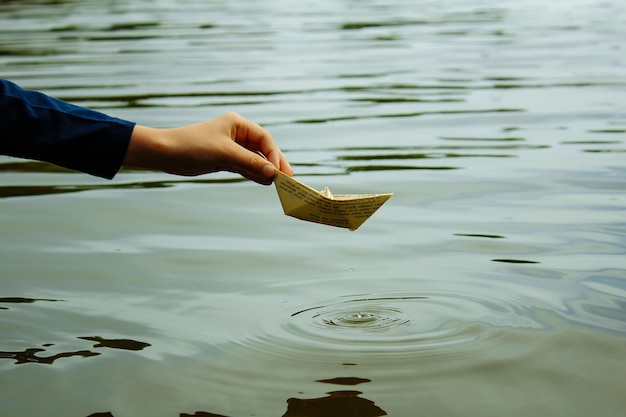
227 143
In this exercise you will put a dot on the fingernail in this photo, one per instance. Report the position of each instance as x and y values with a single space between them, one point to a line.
268 171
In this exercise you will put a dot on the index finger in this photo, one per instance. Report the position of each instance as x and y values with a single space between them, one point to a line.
258 139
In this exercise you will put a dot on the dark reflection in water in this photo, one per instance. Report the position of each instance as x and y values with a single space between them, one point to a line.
344 403
133 100
440 147
479 235
419 156
591 142
409 114
515 261
396 168
125 344
336 404
605 150
379 100
31 166
473 17
372 154
34 190
21 300
345 381
483 139
30 355
606 130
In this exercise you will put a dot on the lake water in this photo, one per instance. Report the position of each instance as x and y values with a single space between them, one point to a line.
493 282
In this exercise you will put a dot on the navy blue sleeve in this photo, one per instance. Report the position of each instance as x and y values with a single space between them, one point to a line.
36 126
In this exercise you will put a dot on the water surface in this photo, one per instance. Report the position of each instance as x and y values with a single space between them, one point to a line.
492 283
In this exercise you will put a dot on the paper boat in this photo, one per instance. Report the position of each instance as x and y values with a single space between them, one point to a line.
305 203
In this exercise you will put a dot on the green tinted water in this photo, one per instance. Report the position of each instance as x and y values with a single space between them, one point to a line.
493 282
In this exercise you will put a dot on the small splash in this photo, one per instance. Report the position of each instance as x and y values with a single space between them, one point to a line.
377 318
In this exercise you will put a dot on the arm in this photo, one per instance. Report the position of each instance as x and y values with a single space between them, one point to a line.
36 126
227 143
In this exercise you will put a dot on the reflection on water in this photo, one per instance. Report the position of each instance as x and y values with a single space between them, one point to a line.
117 343
335 404
494 283
33 355
201 414
345 403
20 300
409 114
479 235
515 261
30 356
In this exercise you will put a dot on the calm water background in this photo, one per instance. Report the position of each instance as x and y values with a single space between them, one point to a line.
493 283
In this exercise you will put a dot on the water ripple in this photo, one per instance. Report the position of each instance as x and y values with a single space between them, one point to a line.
361 315
436 324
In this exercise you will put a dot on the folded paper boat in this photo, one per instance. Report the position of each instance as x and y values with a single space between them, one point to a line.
305 203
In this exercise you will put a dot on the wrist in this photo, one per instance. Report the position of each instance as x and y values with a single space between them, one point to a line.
145 149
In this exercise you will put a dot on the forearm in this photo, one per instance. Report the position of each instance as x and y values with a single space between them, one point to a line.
169 150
